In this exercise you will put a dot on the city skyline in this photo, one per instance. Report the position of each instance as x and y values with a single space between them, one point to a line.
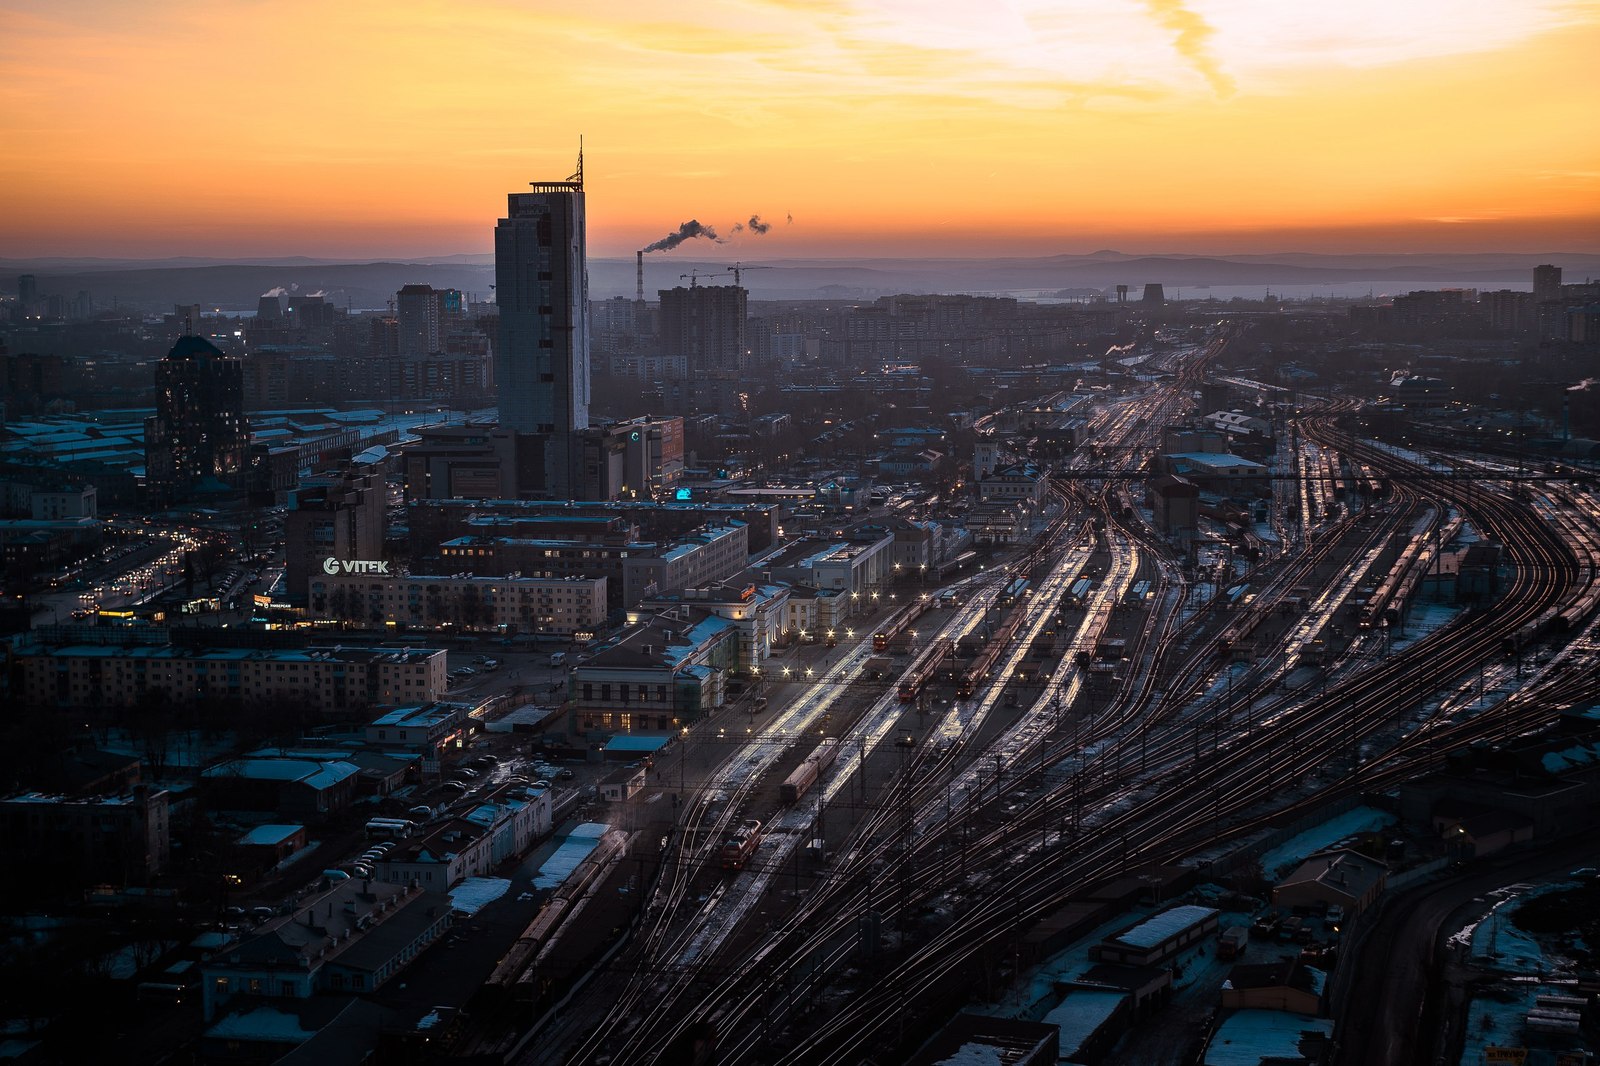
1030 129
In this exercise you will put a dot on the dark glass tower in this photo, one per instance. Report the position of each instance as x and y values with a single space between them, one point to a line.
542 361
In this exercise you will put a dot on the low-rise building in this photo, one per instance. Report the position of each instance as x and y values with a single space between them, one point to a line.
1018 481
264 847
632 569
1283 985
280 785
1343 877
812 611
353 937
1269 1038
621 784
1159 937
858 568
448 853
514 819
120 839
757 611
659 675
426 728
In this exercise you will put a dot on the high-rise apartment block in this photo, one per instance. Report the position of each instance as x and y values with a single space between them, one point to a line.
703 329
198 439
336 524
542 362
1546 283
417 310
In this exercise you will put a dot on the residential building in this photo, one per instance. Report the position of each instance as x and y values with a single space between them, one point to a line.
704 326
197 440
332 680
514 603
417 309
335 524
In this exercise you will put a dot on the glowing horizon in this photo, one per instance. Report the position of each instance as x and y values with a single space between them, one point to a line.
884 127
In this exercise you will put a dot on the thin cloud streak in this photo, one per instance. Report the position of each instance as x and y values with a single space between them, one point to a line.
1193 41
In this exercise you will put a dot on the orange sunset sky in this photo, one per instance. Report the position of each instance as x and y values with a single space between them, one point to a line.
894 127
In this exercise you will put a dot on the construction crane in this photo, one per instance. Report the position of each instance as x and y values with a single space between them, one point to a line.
737 267
694 276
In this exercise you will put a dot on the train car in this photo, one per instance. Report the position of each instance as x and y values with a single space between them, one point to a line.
810 769
985 659
923 669
742 844
1014 592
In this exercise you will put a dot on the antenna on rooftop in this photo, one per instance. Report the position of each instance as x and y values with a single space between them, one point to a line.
578 177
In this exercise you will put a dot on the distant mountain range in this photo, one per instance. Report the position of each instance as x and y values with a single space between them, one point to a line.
153 285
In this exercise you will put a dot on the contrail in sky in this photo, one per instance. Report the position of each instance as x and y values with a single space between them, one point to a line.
1192 40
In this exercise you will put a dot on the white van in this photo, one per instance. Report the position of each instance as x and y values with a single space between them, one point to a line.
558 658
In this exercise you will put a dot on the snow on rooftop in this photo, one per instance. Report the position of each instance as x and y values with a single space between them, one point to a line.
974 1055
1558 762
475 893
267 1024
1080 1014
1292 852
1167 924
269 834
572 851
1249 1037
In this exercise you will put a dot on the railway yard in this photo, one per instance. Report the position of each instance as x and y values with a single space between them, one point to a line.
831 879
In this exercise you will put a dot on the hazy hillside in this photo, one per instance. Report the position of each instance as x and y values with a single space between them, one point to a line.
156 285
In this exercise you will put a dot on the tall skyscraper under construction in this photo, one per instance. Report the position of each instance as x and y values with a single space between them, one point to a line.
542 287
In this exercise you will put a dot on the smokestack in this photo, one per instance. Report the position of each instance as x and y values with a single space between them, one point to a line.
638 296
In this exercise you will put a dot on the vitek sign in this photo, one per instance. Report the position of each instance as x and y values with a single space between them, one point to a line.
331 566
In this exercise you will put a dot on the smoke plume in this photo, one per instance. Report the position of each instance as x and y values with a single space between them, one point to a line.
276 290
689 229
757 226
